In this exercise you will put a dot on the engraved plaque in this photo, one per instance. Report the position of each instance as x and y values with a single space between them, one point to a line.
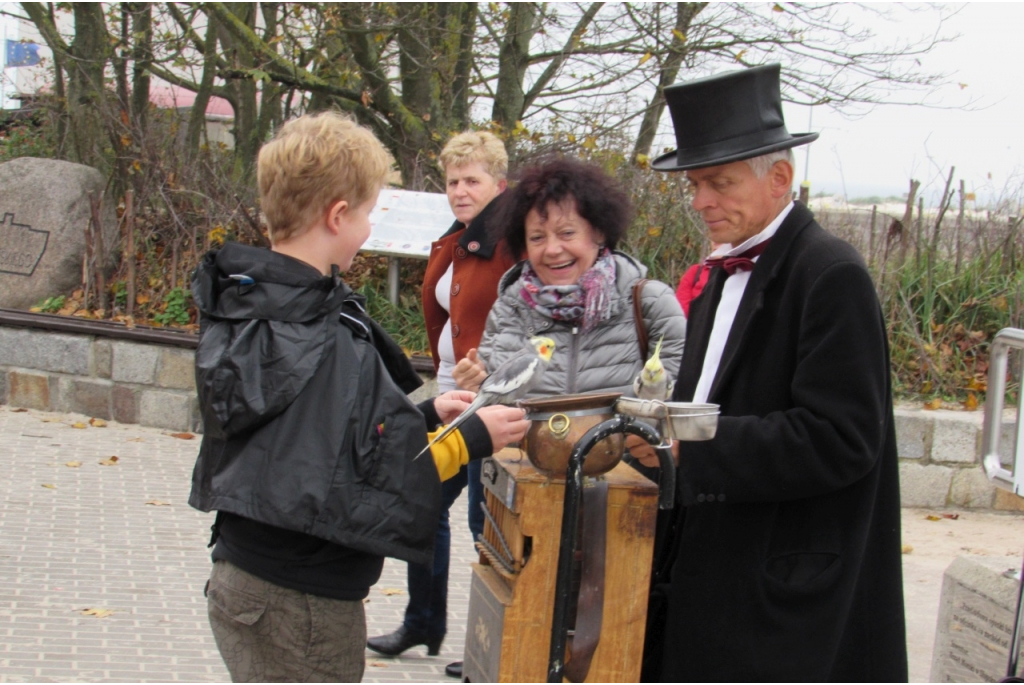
975 621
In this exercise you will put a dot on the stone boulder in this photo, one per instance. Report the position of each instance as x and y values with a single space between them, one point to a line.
44 212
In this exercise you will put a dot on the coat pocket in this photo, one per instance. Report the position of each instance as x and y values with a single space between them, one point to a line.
803 572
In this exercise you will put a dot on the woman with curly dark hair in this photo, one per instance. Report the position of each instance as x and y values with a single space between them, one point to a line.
566 218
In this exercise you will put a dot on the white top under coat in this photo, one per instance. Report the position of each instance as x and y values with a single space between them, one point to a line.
445 344
725 315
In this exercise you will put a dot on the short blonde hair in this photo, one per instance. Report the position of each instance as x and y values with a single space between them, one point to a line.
313 162
476 146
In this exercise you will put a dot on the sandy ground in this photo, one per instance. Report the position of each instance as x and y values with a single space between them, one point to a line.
934 545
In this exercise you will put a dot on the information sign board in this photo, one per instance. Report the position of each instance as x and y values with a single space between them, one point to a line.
405 222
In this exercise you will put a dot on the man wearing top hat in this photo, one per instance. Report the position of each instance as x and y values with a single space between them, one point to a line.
786 556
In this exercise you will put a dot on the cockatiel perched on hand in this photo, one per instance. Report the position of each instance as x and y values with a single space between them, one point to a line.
507 383
653 382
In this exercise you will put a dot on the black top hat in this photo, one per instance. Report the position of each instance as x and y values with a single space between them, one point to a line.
727 117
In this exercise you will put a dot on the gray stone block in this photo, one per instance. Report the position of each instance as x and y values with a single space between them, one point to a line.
90 397
30 390
975 620
124 402
176 369
3 386
102 358
134 363
44 351
164 410
913 434
971 489
1008 442
197 415
956 437
924 485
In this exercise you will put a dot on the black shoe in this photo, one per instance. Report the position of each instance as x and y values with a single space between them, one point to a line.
393 644
454 670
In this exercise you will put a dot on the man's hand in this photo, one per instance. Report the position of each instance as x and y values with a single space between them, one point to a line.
452 403
469 373
644 452
506 425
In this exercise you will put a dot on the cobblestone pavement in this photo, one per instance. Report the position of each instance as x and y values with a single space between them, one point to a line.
102 566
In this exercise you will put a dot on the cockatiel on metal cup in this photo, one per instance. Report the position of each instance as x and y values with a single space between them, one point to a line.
653 382
506 384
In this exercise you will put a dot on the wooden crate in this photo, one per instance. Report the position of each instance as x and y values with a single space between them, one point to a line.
508 635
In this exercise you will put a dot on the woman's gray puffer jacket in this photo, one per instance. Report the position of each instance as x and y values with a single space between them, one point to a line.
605 358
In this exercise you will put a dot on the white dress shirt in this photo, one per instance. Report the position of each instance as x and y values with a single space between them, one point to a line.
725 315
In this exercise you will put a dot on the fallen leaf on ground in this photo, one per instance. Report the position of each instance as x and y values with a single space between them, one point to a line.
158 503
182 436
951 516
51 486
135 440
392 591
933 404
109 461
932 517
907 549
73 464
78 424
18 410
366 600
98 613
99 423
377 664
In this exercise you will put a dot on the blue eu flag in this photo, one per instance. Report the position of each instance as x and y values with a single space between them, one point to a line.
21 54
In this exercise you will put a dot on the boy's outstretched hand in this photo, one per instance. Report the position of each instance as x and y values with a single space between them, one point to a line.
452 403
506 425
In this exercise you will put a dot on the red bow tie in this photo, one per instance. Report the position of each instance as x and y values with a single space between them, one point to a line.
741 262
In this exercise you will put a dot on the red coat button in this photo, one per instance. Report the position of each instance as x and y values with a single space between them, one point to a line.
460 252
455 330
456 288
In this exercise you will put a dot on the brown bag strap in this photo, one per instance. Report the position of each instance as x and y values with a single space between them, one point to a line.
638 317
590 609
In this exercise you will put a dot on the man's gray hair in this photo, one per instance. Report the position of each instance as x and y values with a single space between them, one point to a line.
763 164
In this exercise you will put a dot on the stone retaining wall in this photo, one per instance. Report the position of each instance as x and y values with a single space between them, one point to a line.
125 381
154 385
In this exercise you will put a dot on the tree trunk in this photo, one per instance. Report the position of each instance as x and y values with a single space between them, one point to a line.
685 12
270 94
196 130
237 56
513 59
142 56
89 52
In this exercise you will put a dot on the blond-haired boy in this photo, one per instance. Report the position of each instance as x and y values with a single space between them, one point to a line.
309 437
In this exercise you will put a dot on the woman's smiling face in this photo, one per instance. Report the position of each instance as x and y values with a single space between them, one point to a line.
563 245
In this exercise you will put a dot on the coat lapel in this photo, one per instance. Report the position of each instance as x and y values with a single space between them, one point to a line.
765 271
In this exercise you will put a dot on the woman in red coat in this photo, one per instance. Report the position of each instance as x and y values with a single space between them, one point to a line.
459 287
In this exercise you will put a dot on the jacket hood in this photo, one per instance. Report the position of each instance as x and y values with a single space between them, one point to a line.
264 320
243 282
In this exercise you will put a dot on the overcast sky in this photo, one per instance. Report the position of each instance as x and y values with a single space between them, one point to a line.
878 153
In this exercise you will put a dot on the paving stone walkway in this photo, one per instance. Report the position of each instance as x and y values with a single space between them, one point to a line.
102 567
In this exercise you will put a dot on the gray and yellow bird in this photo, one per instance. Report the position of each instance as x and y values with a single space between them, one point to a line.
653 383
506 384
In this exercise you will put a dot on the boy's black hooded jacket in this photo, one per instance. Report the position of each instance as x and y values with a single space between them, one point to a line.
306 426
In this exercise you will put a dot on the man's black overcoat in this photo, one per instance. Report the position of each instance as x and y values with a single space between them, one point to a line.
788 563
